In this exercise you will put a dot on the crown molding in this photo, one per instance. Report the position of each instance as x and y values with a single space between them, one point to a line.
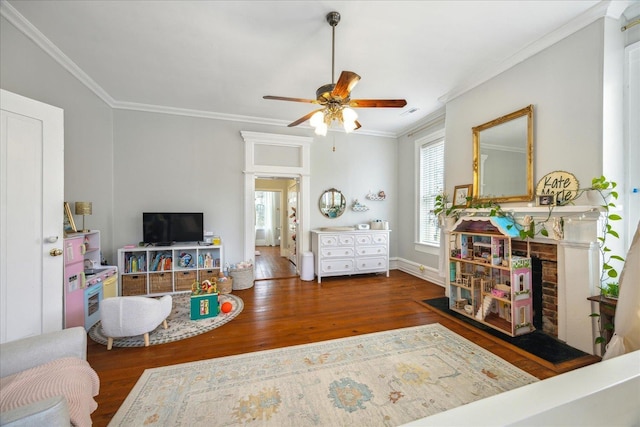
28 29
587 17
161 109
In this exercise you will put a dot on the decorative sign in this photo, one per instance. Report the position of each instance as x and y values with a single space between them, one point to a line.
563 185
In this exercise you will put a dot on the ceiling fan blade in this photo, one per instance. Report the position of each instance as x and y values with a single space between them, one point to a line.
377 103
303 118
285 98
346 82
358 125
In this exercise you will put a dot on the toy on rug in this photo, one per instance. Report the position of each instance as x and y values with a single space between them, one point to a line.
206 287
226 307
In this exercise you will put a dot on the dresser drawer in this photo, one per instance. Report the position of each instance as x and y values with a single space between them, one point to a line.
337 252
380 238
372 264
336 240
371 250
364 239
333 266
372 239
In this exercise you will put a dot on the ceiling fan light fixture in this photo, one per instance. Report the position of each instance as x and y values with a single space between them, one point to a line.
349 117
321 129
316 119
335 97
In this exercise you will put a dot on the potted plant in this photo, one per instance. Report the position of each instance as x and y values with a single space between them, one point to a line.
608 194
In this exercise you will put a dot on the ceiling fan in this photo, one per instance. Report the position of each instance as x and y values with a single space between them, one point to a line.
335 97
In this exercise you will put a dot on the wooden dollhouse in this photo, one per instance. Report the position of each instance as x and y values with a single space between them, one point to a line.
486 282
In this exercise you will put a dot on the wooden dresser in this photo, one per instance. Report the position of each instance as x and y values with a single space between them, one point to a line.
341 253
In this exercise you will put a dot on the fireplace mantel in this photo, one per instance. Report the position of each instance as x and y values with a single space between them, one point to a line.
578 264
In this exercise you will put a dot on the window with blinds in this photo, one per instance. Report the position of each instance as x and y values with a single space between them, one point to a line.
431 183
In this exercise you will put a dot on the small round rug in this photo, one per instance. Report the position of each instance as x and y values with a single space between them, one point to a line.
179 321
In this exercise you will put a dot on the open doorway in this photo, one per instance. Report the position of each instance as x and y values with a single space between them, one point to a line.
275 227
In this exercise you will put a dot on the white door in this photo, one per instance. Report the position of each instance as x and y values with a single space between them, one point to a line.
31 206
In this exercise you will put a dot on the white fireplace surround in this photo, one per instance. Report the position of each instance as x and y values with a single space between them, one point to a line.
578 267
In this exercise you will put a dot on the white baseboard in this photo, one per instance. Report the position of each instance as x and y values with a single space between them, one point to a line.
418 270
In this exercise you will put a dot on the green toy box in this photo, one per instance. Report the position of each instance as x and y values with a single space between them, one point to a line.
204 306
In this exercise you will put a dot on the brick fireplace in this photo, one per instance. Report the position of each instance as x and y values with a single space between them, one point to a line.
547 255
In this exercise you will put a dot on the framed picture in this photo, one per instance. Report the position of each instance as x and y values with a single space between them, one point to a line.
460 194
69 225
546 199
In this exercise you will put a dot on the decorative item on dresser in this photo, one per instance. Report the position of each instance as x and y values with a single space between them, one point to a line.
346 252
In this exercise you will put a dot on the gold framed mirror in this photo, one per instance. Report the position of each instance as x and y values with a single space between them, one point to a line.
503 158
332 203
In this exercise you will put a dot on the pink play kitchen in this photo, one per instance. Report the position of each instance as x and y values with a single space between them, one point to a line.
86 281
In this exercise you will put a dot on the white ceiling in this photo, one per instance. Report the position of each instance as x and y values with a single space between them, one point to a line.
218 58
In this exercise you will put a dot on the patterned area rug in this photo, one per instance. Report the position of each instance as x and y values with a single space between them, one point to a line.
180 324
381 379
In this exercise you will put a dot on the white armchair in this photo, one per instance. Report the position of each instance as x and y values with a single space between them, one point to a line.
30 399
129 316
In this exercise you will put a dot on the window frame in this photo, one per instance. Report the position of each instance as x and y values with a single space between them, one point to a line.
437 137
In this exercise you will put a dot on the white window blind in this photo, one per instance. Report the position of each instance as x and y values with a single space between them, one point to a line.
431 183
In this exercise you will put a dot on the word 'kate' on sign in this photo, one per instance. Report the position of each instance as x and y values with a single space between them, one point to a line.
563 185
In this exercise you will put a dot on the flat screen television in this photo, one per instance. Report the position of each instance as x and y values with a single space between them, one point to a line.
166 228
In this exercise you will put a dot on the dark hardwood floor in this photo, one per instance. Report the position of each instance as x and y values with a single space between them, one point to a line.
270 265
286 312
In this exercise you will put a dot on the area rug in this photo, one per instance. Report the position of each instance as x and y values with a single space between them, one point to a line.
537 342
380 379
180 324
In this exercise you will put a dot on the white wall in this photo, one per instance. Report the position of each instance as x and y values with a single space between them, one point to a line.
126 162
88 123
565 85
360 164
168 162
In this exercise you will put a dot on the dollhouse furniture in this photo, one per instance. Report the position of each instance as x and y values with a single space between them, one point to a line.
135 315
486 282
46 380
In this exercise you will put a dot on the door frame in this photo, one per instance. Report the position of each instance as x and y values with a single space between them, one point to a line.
263 157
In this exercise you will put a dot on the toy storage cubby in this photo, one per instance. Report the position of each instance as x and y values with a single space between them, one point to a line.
158 270
486 282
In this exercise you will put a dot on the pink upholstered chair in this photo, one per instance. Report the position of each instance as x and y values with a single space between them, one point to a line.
129 316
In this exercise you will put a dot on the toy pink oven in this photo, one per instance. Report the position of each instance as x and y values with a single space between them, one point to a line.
92 300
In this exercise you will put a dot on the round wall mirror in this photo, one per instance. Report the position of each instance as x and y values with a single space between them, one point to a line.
332 203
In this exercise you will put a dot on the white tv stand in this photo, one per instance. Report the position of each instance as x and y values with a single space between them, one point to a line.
158 270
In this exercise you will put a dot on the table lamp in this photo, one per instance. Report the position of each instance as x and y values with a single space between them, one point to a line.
83 208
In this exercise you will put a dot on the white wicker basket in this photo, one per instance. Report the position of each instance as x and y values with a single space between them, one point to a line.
242 278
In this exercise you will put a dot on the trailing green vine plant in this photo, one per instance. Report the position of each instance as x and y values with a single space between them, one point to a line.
607 192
